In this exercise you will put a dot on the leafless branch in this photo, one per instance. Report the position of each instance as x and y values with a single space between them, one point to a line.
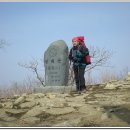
33 65
99 58
2 43
71 75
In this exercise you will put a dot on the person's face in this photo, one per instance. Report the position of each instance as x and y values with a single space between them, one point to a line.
75 43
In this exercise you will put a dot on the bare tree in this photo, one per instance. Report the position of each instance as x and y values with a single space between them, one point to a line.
99 58
33 65
3 43
71 76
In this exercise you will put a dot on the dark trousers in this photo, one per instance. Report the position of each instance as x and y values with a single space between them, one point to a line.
79 78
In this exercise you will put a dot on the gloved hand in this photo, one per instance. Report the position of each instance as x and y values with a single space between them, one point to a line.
79 54
75 59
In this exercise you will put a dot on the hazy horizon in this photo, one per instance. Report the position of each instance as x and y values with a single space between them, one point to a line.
29 28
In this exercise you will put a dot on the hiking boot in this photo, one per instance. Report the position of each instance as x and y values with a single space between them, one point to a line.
79 92
84 91
84 87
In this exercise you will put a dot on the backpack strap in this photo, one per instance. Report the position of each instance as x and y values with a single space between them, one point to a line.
84 50
71 54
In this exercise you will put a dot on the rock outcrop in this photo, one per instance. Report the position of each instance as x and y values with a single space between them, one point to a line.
101 105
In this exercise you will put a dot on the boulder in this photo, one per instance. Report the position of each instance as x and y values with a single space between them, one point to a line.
90 110
20 100
6 117
27 105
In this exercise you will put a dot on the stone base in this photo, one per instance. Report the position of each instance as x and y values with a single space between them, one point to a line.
59 89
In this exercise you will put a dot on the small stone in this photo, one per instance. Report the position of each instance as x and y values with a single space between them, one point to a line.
90 89
1 105
75 105
8 105
39 95
111 110
110 86
24 94
51 96
63 124
92 102
31 120
104 116
16 96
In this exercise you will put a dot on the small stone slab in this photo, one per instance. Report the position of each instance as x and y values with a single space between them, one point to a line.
60 111
20 100
31 120
15 111
27 105
34 112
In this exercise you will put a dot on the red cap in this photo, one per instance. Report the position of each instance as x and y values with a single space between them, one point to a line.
75 39
79 39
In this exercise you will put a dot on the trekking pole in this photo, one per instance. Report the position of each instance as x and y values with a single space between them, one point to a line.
79 81
70 75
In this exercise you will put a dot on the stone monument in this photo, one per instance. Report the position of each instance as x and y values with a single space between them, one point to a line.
56 64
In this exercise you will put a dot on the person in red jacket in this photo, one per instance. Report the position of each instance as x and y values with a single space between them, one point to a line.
77 55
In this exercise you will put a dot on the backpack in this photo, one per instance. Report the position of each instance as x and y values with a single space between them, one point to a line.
87 57
88 60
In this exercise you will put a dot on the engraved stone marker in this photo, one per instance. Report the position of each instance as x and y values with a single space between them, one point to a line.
56 64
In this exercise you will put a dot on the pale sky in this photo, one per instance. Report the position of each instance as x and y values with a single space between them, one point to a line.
30 27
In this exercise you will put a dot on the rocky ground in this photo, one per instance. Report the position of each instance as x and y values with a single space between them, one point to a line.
102 105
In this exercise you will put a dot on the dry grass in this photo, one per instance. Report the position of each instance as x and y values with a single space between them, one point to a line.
27 86
105 76
15 89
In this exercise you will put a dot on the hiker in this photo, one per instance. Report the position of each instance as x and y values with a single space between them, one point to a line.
77 55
